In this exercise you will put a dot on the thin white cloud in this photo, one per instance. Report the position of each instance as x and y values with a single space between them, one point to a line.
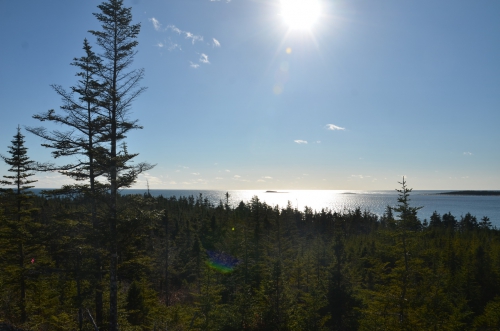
334 127
268 177
261 181
358 176
300 141
195 173
189 35
467 153
318 142
174 28
194 38
227 170
173 43
204 58
236 176
219 178
173 46
156 23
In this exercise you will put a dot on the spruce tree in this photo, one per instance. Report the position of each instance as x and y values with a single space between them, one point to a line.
82 138
18 208
117 39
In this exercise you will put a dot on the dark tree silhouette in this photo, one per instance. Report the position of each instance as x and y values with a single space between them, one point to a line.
18 208
120 87
82 138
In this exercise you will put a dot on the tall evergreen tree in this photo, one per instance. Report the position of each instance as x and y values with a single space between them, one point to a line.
117 39
18 209
83 138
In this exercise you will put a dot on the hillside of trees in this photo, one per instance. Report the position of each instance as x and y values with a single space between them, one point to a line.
85 257
185 264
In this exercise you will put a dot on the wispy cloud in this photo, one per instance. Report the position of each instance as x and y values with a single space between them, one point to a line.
268 177
174 46
156 23
204 58
227 1
261 181
195 173
334 127
467 153
236 176
300 141
188 35
174 28
171 45
174 43
358 176
194 38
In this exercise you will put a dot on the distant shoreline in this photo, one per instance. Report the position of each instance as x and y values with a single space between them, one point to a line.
482 193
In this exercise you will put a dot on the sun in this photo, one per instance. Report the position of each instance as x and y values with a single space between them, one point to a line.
300 14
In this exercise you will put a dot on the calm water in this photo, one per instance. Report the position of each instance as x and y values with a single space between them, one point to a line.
373 201
337 200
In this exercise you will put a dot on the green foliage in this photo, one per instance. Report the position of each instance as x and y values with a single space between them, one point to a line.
490 319
289 270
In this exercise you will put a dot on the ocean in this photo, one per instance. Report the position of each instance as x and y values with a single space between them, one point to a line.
338 200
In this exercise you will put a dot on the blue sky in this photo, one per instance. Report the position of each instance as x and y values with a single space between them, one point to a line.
236 99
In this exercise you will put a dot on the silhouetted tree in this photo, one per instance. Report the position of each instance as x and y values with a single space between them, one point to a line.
18 210
120 87
83 138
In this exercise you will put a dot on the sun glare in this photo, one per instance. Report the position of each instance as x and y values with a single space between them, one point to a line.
300 14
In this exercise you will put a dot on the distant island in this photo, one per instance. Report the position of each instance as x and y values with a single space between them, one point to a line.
275 192
488 193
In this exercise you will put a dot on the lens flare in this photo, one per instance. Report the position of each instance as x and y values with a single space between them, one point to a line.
221 262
